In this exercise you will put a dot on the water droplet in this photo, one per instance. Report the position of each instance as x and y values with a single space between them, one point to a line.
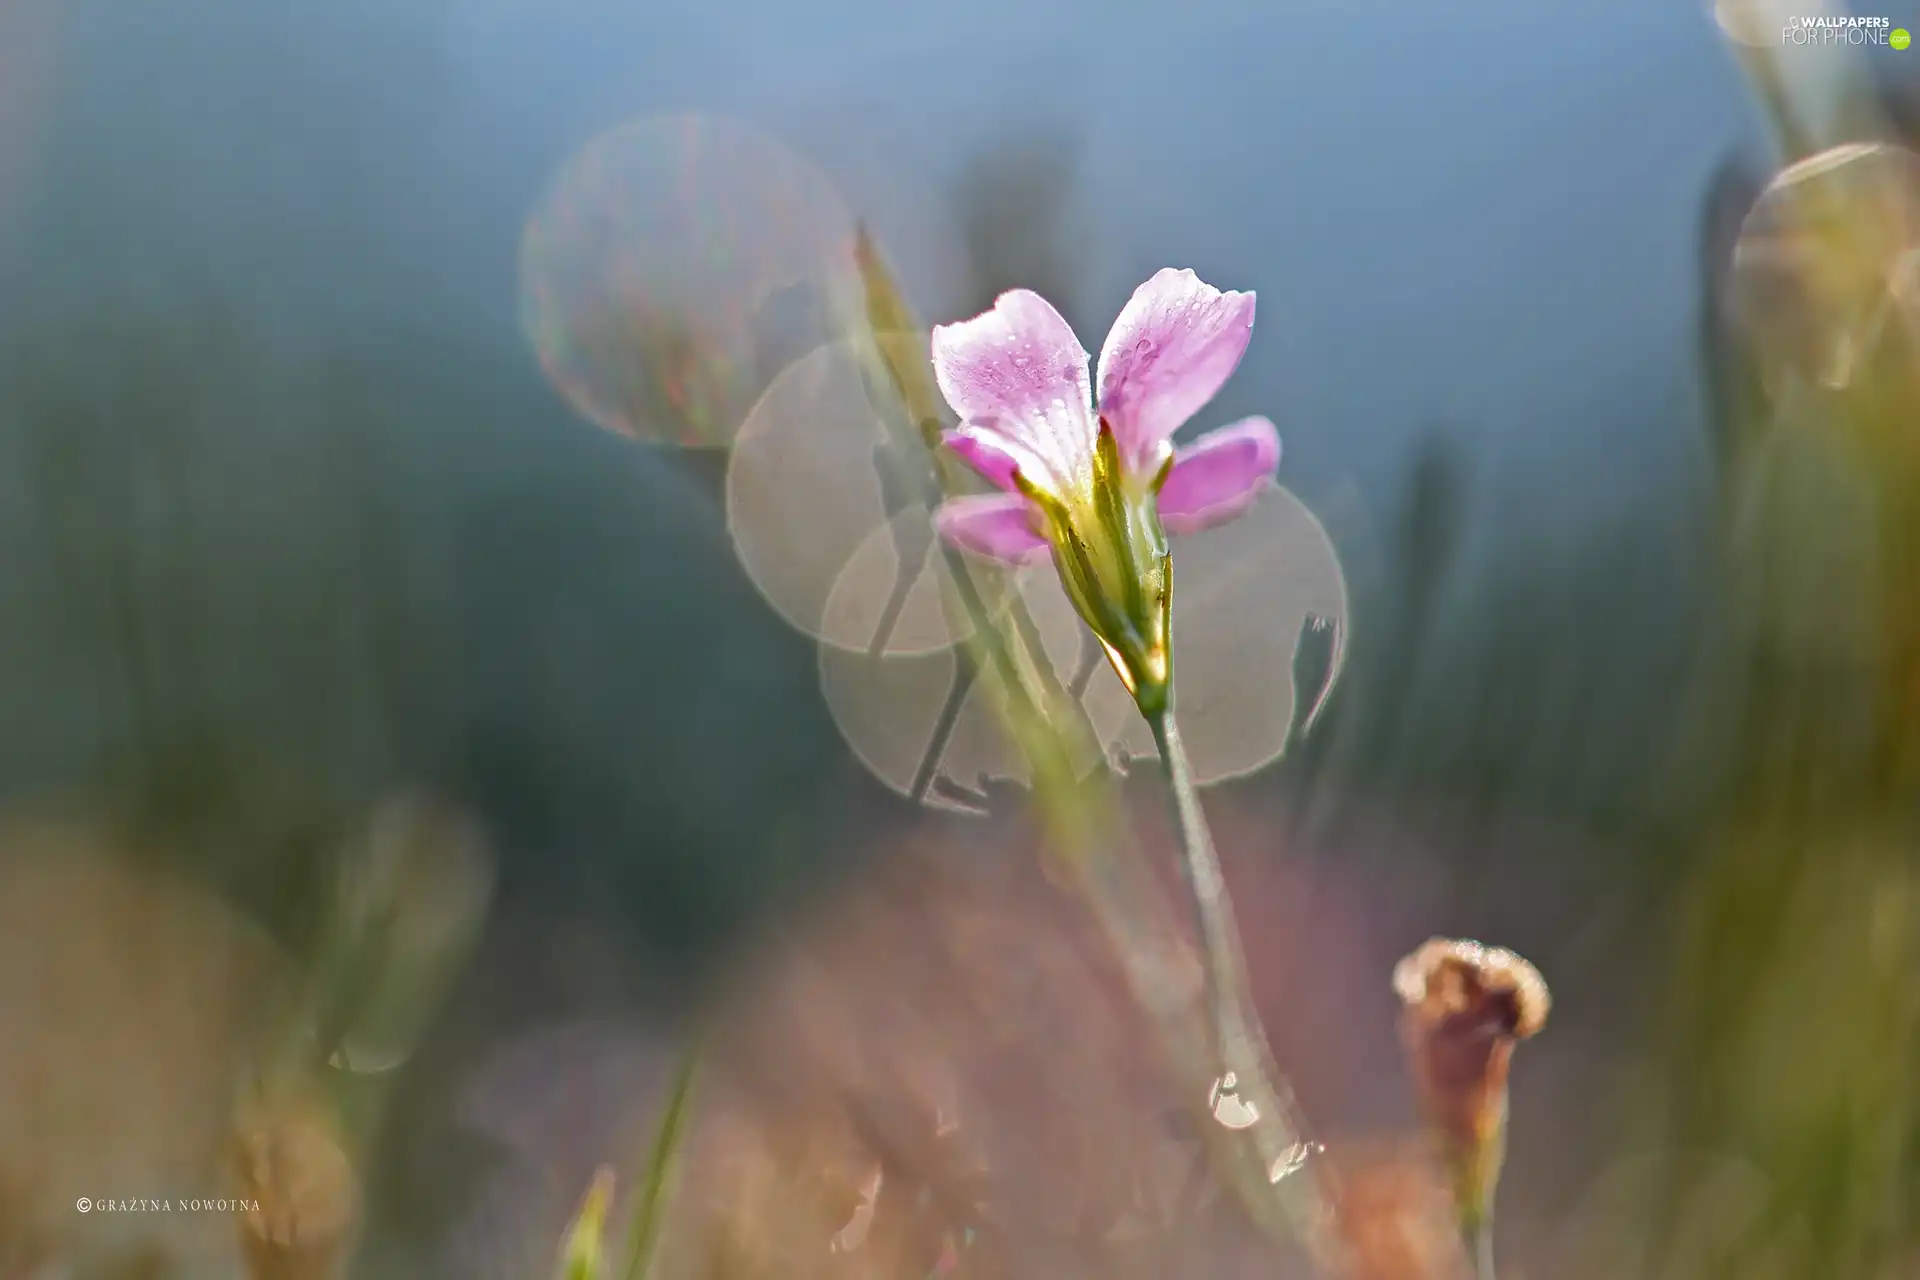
1227 1108
1143 347
1292 1160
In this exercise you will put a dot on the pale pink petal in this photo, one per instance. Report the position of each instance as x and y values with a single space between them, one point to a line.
1018 371
988 452
1219 475
999 526
1176 343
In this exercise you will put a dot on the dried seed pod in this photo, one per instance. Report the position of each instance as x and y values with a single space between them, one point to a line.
1466 1006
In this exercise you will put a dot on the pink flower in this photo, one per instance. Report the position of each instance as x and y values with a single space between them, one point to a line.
1017 376
1098 483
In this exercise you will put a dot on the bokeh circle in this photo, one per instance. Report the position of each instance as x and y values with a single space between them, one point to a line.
1248 597
675 264
1823 263
827 492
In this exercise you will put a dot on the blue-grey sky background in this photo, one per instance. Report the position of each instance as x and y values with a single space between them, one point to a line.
1481 213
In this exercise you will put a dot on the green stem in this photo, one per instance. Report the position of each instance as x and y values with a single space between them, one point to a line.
1123 900
644 1241
1479 1240
1278 1132
1475 1194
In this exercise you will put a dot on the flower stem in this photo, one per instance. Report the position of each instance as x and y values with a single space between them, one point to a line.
1277 1130
1038 714
1479 1241
644 1240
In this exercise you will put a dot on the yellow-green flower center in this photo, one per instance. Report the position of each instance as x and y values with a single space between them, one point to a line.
1112 556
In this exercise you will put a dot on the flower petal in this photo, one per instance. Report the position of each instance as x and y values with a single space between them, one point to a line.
990 453
1219 475
1176 343
1018 371
999 526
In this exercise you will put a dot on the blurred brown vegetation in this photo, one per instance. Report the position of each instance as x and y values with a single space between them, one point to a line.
143 1019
